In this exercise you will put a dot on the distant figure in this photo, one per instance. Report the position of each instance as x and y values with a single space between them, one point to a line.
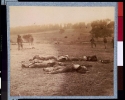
113 42
19 41
105 42
31 40
92 42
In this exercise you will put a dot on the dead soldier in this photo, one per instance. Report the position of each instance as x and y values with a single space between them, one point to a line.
67 68
36 63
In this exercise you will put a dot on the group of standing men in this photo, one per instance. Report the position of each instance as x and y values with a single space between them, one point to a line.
20 42
104 40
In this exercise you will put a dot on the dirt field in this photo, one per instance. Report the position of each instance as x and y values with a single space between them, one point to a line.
34 82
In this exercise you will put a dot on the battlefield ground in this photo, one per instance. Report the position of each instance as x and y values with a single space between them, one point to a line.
34 82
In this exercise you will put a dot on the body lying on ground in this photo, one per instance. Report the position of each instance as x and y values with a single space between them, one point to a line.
84 58
105 61
38 63
90 58
44 58
50 61
68 68
67 58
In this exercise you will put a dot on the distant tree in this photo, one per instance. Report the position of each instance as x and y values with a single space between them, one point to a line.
79 27
69 25
60 26
102 28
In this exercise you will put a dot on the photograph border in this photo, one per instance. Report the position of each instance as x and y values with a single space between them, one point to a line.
62 4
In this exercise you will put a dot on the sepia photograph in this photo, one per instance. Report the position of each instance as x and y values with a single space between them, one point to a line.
61 51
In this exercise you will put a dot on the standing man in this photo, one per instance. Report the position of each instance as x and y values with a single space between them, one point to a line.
92 42
19 41
105 42
31 40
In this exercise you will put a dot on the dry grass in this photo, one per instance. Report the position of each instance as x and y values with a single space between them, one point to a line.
34 82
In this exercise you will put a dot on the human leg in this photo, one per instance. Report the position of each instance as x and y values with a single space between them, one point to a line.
18 46
105 45
27 65
95 44
21 45
59 69
48 69
91 45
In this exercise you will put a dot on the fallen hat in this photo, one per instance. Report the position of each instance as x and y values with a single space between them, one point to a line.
76 66
67 56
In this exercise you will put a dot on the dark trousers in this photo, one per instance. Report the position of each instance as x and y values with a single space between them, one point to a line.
105 44
20 46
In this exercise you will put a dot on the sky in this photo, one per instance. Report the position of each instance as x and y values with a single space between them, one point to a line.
39 15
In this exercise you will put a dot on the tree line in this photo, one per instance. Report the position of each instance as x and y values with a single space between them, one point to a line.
48 27
102 28
97 28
